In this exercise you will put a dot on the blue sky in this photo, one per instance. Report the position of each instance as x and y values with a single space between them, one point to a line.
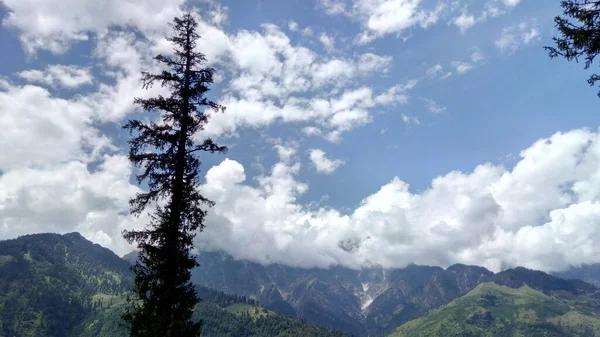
335 107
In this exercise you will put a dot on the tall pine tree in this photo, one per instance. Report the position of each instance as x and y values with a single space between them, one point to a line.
579 29
166 153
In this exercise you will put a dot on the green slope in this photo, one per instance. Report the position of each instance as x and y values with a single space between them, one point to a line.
495 310
65 286
239 320
48 283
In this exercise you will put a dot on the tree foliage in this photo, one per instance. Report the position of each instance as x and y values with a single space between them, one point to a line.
166 153
579 29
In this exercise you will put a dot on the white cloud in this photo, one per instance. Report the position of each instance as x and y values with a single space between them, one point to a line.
331 116
513 37
286 152
264 68
42 130
69 197
327 41
379 18
370 62
293 26
511 3
55 173
333 7
322 163
410 120
433 106
123 57
54 25
435 70
464 22
311 131
477 56
544 213
529 36
448 74
462 67
382 17
307 31
58 75
275 81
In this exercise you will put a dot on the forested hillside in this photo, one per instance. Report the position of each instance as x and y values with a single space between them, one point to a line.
65 286
492 310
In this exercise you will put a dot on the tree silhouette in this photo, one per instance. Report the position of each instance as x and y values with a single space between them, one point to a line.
579 28
166 153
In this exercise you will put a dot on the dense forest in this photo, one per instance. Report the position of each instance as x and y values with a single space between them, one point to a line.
228 316
66 286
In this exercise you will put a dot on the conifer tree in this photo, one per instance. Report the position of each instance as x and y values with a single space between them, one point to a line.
579 29
167 154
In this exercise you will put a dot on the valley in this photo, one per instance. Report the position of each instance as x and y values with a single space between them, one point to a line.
64 285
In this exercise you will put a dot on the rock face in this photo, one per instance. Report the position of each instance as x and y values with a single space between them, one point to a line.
359 302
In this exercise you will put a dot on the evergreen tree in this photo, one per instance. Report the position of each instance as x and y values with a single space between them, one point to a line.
579 29
166 153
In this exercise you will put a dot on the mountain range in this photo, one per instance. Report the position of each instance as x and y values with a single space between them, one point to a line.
64 285
366 302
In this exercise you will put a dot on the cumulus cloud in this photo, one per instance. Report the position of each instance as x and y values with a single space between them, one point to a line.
263 67
47 24
69 197
544 213
307 32
379 18
327 41
35 136
293 26
369 62
322 163
332 116
58 75
59 173
271 77
514 37
464 22
461 67
333 7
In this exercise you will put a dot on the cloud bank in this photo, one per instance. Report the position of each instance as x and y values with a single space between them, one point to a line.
544 213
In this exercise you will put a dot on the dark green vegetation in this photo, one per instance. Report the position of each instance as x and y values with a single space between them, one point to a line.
163 297
229 317
371 301
579 37
65 286
48 283
498 310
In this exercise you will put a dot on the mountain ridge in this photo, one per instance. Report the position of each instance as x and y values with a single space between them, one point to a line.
55 285
366 302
